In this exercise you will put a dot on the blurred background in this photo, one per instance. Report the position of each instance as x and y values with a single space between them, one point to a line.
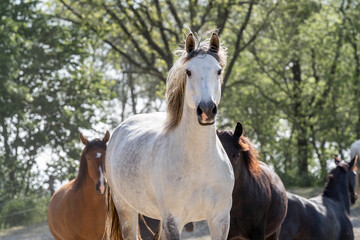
292 79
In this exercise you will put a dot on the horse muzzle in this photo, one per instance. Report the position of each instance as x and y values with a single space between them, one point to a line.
206 113
100 188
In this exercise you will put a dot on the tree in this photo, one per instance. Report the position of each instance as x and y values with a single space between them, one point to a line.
297 74
48 89
142 35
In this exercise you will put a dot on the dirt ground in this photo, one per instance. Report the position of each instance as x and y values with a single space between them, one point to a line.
41 231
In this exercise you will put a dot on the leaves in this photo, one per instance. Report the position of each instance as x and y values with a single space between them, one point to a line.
48 90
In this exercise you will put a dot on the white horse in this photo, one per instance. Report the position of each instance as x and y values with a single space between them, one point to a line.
172 166
355 149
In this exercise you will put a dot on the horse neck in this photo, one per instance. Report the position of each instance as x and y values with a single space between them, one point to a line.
87 190
338 190
191 135
243 176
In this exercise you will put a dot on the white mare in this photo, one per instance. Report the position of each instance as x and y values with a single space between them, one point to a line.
172 166
355 149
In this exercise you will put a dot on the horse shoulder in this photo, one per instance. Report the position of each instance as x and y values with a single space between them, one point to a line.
58 212
338 216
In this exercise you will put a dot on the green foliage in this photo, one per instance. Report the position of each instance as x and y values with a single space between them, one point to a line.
294 89
24 211
49 88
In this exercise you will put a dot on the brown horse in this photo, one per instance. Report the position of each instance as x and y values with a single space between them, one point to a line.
77 209
259 197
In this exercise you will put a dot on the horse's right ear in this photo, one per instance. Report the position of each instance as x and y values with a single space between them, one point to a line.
190 43
106 137
337 160
238 130
83 139
214 43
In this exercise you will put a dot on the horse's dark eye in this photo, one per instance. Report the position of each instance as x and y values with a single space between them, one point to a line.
219 72
188 73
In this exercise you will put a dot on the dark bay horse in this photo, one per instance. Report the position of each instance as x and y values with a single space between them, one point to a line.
327 215
259 197
77 210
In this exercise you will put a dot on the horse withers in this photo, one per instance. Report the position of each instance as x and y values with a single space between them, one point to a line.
327 216
172 166
77 210
259 196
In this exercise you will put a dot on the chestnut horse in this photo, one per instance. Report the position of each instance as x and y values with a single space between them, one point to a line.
77 210
325 217
259 197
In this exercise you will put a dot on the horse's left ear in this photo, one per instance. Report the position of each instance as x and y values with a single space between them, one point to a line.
353 161
214 43
190 43
106 137
238 130
337 160
83 139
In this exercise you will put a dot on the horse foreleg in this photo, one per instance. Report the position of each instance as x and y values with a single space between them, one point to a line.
169 230
258 233
219 227
128 219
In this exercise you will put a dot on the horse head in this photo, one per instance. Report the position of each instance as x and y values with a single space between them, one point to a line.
94 154
195 80
348 169
230 142
239 150
203 85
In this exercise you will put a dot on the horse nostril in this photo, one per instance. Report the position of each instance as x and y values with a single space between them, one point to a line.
199 111
214 110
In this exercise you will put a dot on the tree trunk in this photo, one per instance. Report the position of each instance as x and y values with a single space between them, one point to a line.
300 123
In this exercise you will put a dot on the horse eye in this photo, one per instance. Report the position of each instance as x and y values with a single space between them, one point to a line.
219 72
188 73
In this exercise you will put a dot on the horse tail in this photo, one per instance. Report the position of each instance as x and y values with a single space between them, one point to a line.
112 223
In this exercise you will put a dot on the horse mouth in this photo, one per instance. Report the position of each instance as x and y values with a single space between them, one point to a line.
206 123
100 193
100 189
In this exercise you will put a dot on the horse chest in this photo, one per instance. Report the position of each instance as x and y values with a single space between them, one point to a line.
91 219
197 191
